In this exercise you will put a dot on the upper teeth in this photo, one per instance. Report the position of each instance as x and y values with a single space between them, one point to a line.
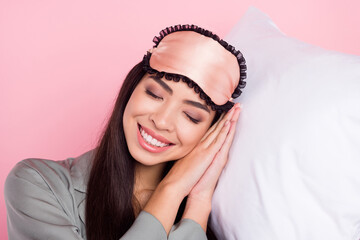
149 139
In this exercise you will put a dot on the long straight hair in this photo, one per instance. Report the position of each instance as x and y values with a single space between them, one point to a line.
109 203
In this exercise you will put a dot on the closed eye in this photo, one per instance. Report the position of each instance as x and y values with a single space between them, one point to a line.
192 119
148 92
152 94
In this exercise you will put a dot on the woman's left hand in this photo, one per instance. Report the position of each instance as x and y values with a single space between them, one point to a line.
203 190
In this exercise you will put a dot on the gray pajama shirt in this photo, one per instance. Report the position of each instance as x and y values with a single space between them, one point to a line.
45 199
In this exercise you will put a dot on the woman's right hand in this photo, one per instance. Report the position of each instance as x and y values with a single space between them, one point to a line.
187 171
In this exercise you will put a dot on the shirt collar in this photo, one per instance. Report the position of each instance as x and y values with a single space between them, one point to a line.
80 170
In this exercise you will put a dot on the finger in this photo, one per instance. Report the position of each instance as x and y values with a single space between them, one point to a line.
225 148
216 167
230 137
212 128
215 145
212 135
215 125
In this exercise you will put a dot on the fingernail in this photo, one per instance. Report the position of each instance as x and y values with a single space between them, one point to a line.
230 112
237 114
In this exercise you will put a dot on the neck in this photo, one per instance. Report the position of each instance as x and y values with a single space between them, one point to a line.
147 177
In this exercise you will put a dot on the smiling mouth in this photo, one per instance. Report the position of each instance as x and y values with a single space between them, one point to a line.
152 140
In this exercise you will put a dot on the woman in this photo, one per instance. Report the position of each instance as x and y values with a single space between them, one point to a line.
158 160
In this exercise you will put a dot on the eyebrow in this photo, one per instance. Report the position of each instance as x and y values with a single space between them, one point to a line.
162 83
170 91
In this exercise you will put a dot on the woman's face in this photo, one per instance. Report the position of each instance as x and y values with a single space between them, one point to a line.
164 120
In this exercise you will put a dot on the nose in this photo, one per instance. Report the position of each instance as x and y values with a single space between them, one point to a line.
164 118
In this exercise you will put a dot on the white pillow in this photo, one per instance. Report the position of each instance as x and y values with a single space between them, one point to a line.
294 167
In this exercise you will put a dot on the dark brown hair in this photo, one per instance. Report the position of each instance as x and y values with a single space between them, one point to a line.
109 209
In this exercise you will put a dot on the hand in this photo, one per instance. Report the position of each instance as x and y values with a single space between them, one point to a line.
187 171
204 188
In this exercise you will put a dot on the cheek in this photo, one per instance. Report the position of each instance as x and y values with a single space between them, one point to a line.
131 109
191 135
136 103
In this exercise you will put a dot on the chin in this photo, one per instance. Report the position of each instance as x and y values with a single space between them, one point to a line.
144 158
143 161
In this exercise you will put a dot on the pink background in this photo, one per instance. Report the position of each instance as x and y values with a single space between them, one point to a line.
62 62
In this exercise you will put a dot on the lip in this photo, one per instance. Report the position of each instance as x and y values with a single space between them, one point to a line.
154 135
149 147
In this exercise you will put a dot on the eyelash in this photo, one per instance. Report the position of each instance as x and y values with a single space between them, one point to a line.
152 94
157 97
192 119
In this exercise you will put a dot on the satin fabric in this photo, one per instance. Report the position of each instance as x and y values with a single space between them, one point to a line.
200 58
